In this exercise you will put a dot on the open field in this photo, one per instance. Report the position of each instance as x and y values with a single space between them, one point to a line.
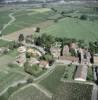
8 79
27 19
59 89
90 76
73 91
11 90
3 43
9 76
69 72
4 17
53 80
29 93
74 28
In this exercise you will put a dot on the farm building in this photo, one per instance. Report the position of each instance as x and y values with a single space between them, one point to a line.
81 73
21 58
44 64
55 51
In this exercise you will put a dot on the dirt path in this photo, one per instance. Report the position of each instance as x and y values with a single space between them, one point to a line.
9 23
14 36
27 31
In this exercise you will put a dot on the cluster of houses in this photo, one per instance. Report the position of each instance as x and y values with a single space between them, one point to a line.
21 58
83 57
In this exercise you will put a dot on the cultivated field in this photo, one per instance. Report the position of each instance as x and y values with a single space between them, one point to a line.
29 93
73 91
74 28
8 79
60 21
10 76
53 80
24 20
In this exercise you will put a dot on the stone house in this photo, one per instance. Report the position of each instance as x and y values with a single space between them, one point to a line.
44 64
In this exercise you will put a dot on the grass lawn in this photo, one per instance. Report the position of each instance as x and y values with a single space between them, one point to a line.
8 78
74 28
3 43
4 18
27 18
53 80
6 59
10 91
90 76
29 93
69 72
73 91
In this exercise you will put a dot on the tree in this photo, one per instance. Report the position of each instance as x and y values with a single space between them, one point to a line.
37 29
54 9
62 47
21 38
47 57
45 41
31 69
81 43
64 41
83 17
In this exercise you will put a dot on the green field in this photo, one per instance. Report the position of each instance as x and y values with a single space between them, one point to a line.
65 91
65 27
11 90
74 28
3 43
4 17
29 93
90 74
52 84
8 78
73 91
69 72
53 80
25 18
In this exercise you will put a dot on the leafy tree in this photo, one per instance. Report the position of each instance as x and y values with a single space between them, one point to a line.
45 41
28 55
83 17
13 45
54 9
31 69
81 43
56 20
72 51
37 29
29 80
62 47
48 57
21 38
64 41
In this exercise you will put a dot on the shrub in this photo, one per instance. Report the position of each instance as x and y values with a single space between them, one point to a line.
12 65
83 17
29 80
32 70
72 51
